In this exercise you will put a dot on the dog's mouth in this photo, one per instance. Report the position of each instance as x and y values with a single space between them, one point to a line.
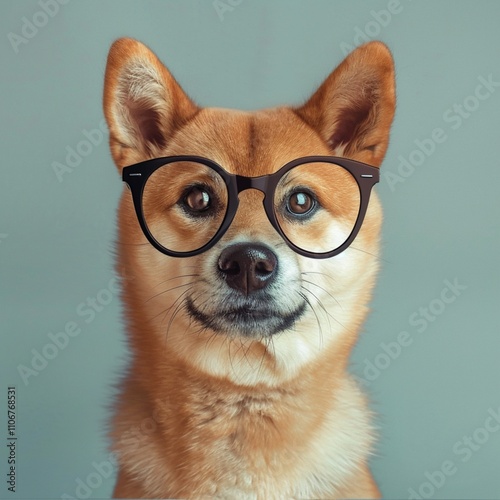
252 318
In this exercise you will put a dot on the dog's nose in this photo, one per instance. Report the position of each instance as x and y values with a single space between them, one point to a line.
247 267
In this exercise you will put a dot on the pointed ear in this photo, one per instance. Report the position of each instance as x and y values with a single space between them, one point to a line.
143 104
353 109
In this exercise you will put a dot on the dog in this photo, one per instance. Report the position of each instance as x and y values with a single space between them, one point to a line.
242 298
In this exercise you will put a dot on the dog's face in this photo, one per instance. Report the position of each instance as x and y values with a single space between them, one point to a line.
249 308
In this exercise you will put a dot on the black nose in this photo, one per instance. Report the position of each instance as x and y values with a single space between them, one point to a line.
247 267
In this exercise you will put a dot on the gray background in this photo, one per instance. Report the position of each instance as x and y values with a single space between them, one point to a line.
441 219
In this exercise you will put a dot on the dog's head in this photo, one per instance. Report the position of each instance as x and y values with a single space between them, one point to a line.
249 308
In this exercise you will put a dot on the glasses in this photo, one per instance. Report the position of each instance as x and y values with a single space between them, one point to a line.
185 204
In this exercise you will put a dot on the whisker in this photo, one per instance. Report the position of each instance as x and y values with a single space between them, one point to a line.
176 278
320 329
377 257
326 310
323 289
211 338
165 311
320 304
244 351
178 304
307 273
268 341
171 289
231 342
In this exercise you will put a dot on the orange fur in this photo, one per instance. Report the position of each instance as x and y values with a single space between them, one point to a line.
205 414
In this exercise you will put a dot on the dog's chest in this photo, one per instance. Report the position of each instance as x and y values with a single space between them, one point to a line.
254 447
242 446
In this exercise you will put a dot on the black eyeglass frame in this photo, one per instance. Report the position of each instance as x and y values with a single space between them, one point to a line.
136 176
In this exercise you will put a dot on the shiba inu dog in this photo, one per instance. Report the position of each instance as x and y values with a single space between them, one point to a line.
248 247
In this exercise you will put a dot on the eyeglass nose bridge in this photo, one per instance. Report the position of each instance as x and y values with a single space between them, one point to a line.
259 183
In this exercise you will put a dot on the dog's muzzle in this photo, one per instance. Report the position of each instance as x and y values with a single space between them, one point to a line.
251 305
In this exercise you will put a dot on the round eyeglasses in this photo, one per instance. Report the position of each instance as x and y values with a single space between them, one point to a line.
185 204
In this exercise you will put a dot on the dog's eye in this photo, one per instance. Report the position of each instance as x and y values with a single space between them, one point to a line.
300 203
197 199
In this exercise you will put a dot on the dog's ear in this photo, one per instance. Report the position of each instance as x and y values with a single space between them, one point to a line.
353 109
143 104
